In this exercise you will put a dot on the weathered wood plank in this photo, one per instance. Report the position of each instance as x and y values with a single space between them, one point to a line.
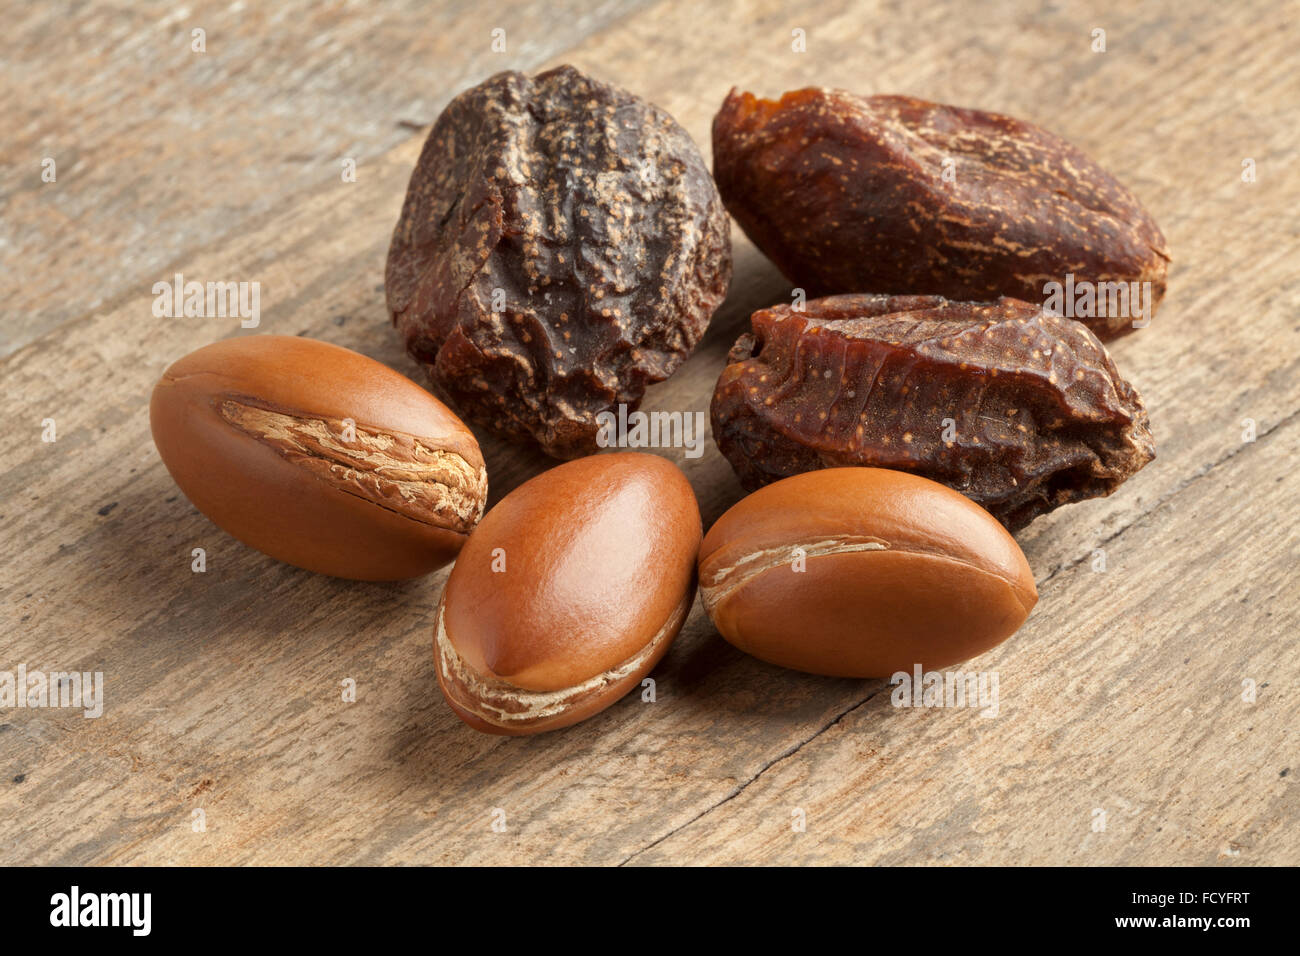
223 688
160 149
1122 695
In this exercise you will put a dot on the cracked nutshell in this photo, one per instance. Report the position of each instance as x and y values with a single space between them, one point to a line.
319 456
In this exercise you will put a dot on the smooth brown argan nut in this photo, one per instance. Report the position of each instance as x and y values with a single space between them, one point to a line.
319 456
568 593
863 572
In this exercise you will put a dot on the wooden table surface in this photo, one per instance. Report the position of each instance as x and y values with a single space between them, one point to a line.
1124 701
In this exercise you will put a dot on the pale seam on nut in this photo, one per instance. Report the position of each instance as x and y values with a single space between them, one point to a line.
711 597
725 581
536 704
394 471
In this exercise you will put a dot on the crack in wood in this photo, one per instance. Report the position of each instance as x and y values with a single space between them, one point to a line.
791 751
1168 496
737 791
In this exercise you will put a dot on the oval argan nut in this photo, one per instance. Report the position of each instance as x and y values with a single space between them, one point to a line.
568 593
319 456
863 572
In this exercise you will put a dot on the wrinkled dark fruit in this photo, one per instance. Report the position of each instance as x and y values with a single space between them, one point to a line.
561 247
1020 411
849 194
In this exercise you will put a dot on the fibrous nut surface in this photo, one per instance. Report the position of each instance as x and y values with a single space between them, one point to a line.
504 705
562 246
1018 410
890 194
393 470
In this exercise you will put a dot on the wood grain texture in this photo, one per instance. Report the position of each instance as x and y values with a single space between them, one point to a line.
1123 693
160 149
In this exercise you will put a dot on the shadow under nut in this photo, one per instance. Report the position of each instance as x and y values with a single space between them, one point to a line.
862 573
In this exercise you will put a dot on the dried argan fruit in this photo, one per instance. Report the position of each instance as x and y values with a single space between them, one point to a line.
1018 410
889 194
562 246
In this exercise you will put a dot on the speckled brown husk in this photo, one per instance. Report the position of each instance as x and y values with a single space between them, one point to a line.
848 194
562 246
1020 411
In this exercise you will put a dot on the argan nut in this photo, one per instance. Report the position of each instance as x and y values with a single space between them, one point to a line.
568 593
1018 410
319 456
890 194
863 572
561 247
